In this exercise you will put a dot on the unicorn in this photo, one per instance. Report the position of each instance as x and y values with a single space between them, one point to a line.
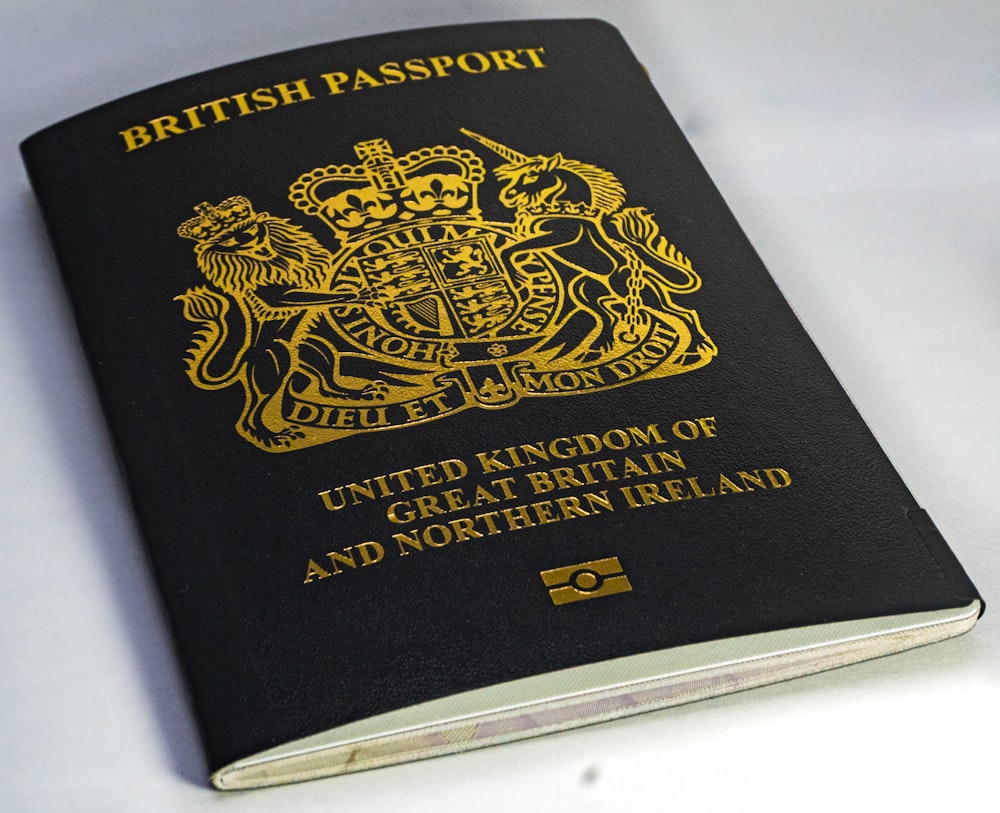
615 264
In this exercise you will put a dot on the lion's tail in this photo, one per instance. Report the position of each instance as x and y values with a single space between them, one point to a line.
638 227
209 309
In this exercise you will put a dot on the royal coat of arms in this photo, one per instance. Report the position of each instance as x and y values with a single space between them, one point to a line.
420 307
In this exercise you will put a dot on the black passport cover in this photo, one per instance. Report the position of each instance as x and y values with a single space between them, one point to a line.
545 311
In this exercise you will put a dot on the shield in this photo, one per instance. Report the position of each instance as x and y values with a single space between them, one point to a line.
455 289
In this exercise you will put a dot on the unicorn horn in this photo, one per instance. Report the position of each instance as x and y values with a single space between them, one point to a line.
497 147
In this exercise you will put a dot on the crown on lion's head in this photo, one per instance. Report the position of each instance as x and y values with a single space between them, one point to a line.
239 249
214 220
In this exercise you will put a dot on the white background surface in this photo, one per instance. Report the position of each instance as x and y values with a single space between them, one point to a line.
859 145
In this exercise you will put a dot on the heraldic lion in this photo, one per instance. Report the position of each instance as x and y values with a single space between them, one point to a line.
274 287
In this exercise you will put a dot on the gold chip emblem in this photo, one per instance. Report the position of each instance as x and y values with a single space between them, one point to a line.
600 577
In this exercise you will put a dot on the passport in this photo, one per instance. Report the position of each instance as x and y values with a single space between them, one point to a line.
456 408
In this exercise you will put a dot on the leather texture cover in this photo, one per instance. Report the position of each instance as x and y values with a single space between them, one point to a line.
435 360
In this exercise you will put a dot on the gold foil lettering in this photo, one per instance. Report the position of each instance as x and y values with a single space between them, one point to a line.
166 126
686 430
335 81
264 99
314 571
417 69
708 427
136 137
371 552
391 73
215 107
362 78
292 92
441 63
505 60
241 104
534 55
779 477
337 559
194 121
727 486
465 61
751 480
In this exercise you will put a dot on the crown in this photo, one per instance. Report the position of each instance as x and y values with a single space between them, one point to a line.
214 220
384 190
